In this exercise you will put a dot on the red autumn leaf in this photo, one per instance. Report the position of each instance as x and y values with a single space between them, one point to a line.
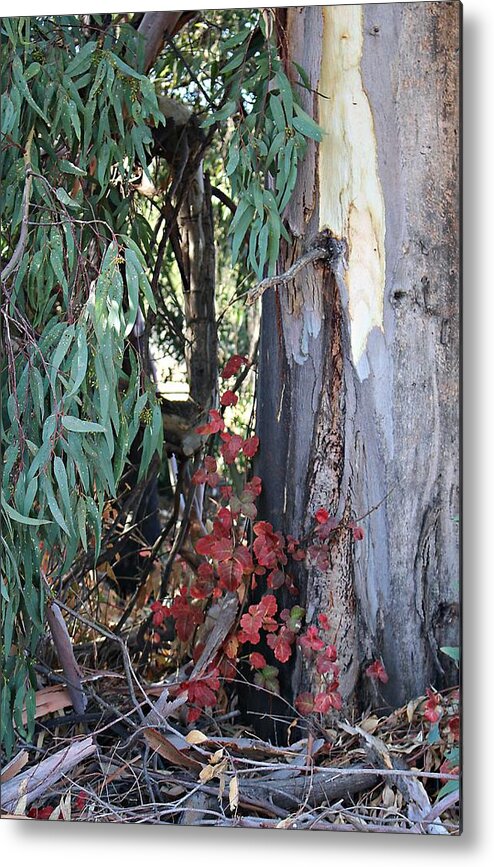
207 474
322 702
321 516
254 486
433 710
268 605
281 643
323 621
230 575
256 660
160 611
221 549
223 523
276 579
229 398
319 556
201 693
244 557
268 546
80 800
376 671
326 666
202 587
215 424
42 813
199 477
250 446
305 703
258 617
231 447
311 641
187 616
251 624
233 366
358 533
203 545
330 698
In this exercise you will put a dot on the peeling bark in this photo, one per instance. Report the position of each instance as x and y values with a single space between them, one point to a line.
359 383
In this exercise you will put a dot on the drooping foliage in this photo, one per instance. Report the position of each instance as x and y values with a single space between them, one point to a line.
77 261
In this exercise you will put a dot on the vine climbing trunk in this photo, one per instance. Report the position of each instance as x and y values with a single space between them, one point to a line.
358 371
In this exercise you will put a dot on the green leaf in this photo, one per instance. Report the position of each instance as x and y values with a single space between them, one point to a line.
241 230
53 504
79 425
63 197
306 125
21 519
79 364
61 351
81 521
277 112
286 94
24 89
63 485
82 60
132 276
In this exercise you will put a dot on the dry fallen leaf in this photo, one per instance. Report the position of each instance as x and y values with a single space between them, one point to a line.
233 794
196 737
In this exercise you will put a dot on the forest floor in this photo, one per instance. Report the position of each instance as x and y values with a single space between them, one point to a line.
132 758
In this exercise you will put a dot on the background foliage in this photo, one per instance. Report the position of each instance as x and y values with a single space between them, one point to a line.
77 258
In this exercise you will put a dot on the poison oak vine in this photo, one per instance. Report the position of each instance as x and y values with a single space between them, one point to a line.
238 554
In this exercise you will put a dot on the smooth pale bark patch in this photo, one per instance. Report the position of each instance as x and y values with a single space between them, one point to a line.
352 204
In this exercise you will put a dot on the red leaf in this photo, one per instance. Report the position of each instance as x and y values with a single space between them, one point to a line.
215 424
281 643
256 660
229 398
321 516
254 486
230 575
311 641
358 533
250 446
376 671
233 366
276 579
231 447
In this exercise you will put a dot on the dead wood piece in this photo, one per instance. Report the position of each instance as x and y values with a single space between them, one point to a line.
327 786
63 644
224 618
14 766
33 782
413 791
198 807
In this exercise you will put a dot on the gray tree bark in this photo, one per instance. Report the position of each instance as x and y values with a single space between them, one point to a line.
359 371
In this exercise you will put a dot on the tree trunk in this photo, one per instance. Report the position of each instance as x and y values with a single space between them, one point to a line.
358 372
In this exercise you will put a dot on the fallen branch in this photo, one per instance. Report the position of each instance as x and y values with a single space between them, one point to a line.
32 783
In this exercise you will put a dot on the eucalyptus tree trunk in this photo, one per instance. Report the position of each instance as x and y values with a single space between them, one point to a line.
358 373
